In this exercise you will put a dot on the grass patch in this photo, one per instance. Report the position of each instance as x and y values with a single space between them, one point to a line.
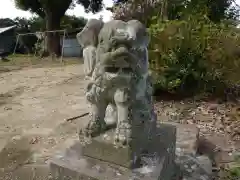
19 61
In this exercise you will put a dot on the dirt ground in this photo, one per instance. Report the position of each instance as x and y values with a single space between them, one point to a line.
35 101
39 98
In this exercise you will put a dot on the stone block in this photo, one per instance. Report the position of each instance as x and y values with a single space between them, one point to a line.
28 172
157 163
194 167
187 138
102 148
16 151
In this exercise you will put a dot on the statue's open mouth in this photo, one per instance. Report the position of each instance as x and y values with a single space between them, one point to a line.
120 65
118 69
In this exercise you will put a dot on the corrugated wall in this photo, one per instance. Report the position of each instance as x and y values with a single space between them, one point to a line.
71 48
7 41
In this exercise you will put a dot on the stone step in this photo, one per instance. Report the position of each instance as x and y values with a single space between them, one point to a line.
65 134
108 163
187 138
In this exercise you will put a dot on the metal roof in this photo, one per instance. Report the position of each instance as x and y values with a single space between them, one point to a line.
6 29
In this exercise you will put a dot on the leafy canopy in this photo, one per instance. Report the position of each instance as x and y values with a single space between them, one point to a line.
59 7
52 11
216 10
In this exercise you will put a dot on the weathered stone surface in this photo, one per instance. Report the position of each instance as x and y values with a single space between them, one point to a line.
195 167
28 172
158 162
16 152
102 148
187 138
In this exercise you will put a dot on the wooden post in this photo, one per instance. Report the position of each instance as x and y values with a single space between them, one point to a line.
15 48
35 53
63 41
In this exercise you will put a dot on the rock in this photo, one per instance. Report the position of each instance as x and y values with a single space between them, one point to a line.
213 107
195 167
187 138
205 163
15 152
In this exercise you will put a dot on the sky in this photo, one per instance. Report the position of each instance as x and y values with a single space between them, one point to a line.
8 10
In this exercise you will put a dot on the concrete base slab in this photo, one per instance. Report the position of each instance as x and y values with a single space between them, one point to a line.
28 172
158 163
102 148
187 138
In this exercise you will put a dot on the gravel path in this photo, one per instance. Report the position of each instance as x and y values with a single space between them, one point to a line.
211 117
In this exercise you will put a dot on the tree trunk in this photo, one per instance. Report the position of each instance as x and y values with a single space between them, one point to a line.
53 38
164 9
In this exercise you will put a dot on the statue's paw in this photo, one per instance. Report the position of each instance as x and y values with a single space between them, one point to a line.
122 139
94 128
90 98
84 136
123 134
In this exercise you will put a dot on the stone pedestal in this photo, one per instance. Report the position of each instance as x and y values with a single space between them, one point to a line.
100 160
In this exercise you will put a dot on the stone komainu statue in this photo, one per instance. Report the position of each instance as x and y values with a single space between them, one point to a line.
119 88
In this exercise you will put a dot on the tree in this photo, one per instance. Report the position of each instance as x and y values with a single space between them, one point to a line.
216 10
142 10
37 24
72 22
6 22
23 25
52 12
67 22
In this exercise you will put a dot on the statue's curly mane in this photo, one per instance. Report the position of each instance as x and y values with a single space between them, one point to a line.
110 29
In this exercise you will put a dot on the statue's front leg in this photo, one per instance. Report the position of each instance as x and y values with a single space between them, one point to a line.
96 124
123 130
99 104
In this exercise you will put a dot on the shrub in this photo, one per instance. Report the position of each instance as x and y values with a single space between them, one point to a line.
233 172
193 54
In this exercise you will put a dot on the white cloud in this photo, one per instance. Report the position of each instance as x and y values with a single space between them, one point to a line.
238 2
79 11
8 10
